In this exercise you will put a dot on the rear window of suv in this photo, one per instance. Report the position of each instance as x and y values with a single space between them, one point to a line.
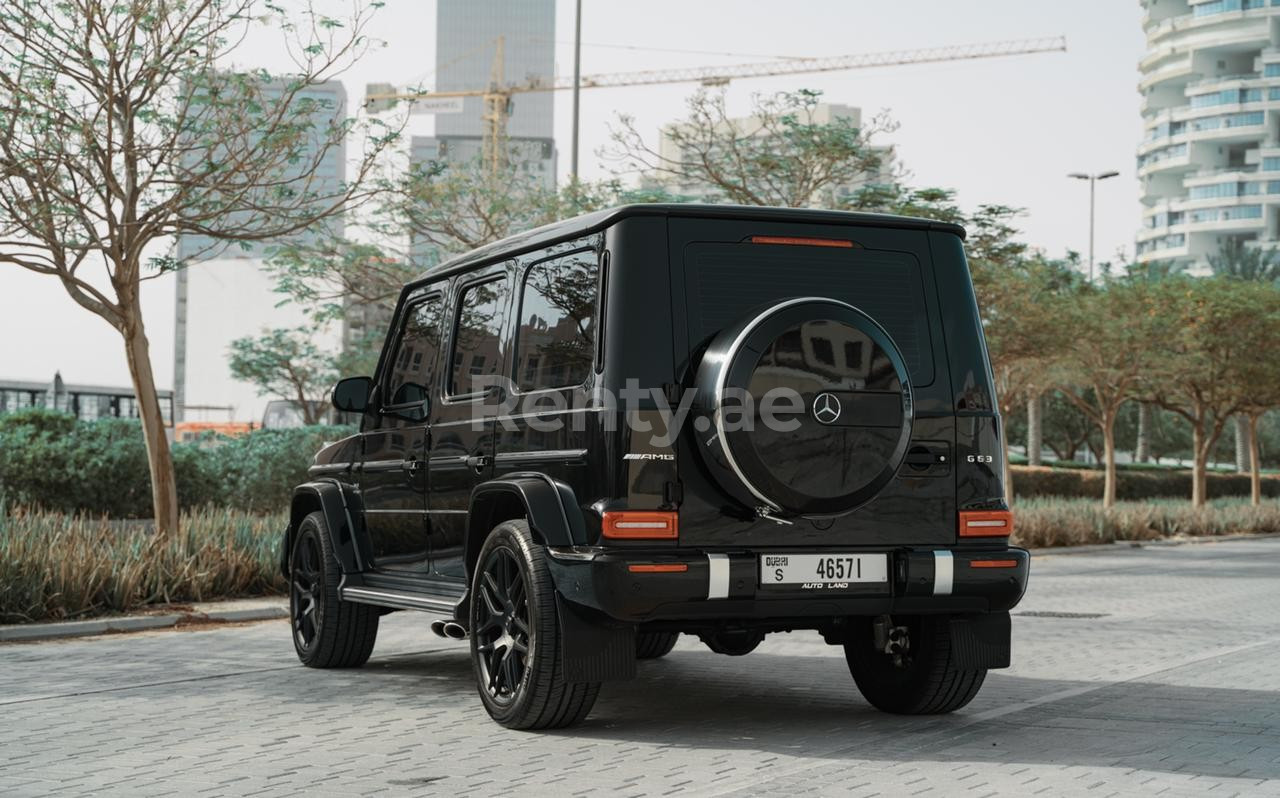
728 280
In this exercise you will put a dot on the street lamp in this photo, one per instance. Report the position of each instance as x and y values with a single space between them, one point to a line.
1092 180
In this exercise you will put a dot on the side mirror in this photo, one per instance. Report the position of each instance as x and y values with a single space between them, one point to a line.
351 394
410 402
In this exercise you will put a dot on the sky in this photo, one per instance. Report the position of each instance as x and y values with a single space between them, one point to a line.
996 131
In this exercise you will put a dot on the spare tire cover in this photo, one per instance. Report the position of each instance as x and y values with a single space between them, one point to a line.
803 408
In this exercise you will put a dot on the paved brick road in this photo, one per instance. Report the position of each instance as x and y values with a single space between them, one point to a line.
1175 690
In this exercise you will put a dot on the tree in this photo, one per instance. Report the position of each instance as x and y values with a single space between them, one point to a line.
1215 329
285 363
1066 429
119 132
1235 260
451 208
434 210
780 155
1149 272
1260 379
1106 358
1013 290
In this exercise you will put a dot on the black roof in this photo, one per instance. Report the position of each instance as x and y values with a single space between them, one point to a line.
593 222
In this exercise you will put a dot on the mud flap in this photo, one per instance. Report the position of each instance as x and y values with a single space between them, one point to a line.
595 651
981 641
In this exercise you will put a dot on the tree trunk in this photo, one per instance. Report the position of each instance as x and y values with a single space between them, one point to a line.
1142 452
1035 436
164 489
1109 460
1255 461
1200 459
1242 443
308 412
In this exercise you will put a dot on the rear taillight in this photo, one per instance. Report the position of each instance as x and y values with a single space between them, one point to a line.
640 525
986 523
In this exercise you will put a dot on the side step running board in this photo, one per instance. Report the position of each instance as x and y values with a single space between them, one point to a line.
398 599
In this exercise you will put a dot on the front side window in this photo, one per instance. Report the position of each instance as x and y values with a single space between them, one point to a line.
413 369
555 345
477 342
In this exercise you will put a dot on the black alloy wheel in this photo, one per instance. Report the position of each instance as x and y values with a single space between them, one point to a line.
502 636
304 584
328 632
517 650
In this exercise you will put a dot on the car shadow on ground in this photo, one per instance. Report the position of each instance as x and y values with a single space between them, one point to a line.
808 706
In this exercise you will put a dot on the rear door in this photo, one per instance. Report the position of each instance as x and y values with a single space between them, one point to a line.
462 423
724 270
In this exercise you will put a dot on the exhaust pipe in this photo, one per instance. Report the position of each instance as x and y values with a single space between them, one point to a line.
451 630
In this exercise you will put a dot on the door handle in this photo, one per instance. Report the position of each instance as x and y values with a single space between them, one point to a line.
413 466
479 461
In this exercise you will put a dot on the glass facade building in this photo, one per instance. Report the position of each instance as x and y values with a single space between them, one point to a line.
1210 85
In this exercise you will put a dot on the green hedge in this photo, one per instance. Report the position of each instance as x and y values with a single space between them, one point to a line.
1132 485
53 461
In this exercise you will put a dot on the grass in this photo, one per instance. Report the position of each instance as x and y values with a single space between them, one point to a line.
1048 521
55 566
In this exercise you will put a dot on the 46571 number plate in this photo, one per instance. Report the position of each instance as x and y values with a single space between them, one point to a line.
822 571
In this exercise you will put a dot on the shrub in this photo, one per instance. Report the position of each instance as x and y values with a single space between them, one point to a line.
1042 522
55 566
53 461
1136 484
255 472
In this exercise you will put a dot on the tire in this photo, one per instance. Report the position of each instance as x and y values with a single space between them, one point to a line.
927 683
327 631
654 645
516 650
736 643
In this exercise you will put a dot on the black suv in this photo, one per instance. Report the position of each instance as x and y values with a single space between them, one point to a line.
583 441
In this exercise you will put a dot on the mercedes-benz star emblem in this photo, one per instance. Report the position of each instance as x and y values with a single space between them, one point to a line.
826 408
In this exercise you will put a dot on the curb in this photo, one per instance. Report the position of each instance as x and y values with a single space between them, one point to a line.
1121 545
137 623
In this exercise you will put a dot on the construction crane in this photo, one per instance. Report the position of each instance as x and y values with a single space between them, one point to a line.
498 94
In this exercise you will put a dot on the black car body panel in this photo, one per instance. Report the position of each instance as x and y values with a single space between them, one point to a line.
411 498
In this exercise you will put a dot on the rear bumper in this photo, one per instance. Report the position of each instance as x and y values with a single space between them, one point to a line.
725 585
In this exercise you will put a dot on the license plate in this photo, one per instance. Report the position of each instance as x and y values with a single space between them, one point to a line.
822 571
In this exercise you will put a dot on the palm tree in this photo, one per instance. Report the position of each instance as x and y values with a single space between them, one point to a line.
1235 261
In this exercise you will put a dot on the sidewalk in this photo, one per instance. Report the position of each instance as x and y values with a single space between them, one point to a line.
208 612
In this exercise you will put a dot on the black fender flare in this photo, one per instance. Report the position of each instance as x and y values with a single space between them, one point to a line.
342 516
550 505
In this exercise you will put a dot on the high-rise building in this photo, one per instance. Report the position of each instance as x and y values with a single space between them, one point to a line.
670 151
467 33
467 36
1209 160
225 292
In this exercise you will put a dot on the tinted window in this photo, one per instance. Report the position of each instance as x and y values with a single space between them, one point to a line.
556 339
413 370
477 345
726 281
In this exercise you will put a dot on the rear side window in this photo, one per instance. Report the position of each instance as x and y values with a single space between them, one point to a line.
555 342
729 280
477 340
413 370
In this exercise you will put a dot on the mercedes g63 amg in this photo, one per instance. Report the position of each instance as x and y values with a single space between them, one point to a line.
586 440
